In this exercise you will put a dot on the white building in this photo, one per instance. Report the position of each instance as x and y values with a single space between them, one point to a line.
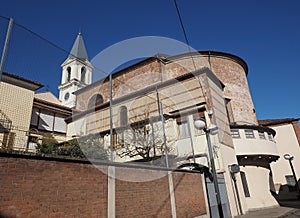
287 140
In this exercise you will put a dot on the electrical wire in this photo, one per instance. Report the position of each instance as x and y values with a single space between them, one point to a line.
188 45
68 53
184 32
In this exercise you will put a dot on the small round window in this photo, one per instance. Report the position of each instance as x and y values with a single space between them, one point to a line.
67 96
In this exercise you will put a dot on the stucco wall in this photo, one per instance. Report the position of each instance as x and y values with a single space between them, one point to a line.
219 111
175 96
16 103
254 146
287 143
259 188
229 158
76 128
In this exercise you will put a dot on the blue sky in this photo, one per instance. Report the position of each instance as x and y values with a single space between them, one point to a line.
264 33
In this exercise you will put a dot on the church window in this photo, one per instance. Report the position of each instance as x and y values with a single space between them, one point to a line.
83 73
68 74
95 100
123 116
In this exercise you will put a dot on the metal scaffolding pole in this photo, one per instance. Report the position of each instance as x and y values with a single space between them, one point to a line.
110 117
4 52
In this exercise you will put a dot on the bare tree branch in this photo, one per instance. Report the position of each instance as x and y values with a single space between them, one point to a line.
142 139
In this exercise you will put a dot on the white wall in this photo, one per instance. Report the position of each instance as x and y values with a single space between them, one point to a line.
258 184
287 144
76 128
229 158
254 146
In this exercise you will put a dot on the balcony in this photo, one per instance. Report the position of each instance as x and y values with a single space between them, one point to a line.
252 140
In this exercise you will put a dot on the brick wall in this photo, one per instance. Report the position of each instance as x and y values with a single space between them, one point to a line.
188 195
148 197
124 83
46 187
41 188
231 74
228 70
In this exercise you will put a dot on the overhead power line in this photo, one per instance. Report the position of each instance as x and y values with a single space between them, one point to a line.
184 32
68 53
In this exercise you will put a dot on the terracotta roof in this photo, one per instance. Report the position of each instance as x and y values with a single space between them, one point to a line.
47 96
272 122
58 106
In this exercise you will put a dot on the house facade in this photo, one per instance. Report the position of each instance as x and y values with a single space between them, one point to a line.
47 124
28 117
16 102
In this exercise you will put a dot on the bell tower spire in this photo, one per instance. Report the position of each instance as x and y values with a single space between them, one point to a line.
76 72
78 49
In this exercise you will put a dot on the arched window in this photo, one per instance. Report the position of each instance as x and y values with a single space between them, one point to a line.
123 116
83 72
68 74
95 100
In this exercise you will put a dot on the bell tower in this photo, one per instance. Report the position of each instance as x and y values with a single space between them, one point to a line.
76 73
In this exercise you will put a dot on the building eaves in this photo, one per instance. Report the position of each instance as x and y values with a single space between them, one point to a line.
272 122
20 81
52 106
254 127
235 58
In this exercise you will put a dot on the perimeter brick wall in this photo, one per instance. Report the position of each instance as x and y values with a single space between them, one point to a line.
49 187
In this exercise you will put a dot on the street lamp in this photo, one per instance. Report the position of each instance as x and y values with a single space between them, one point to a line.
290 158
200 124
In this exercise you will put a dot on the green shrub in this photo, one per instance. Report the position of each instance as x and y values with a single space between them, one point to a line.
85 147
46 148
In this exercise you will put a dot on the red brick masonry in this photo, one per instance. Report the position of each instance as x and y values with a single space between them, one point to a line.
48 187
